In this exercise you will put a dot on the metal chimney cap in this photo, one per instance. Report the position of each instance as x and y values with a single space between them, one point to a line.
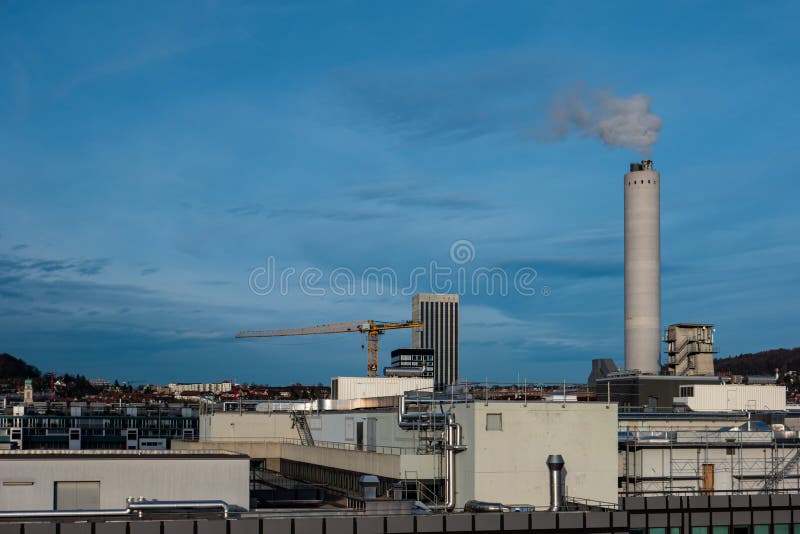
555 461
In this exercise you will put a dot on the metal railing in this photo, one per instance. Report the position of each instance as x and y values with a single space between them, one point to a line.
377 449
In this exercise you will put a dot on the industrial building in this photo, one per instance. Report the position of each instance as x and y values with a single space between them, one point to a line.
640 392
438 313
442 450
690 349
104 480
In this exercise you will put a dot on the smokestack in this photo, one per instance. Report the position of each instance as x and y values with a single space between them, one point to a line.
643 268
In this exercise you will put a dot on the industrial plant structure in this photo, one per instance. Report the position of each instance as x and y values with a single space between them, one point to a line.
643 268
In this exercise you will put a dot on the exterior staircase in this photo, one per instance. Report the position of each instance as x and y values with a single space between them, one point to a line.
300 422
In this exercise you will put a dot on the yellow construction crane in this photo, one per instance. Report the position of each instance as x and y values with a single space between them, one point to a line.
372 329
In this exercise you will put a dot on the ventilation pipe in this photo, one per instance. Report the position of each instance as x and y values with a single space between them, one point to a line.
555 462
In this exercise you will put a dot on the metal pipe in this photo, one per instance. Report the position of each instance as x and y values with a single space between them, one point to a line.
132 506
479 507
555 462
484 507
65 513
423 419
177 505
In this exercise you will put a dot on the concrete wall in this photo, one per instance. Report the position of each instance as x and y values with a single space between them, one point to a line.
166 478
337 427
509 465
341 428
248 425
395 466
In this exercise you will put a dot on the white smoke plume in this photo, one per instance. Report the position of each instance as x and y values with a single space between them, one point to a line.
617 122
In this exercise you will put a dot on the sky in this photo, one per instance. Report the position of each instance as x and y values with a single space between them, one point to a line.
174 172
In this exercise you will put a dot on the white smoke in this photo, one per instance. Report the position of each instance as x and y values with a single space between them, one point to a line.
618 122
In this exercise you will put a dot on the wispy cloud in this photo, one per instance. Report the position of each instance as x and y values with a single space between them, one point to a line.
327 214
148 271
460 100
571 267
406 197
83 267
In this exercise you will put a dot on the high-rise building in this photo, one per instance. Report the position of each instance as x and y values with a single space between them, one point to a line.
643 268
439 314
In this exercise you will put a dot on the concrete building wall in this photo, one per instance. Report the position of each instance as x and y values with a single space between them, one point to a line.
247 425
336 427
395 466
28 483
643 269
508 465
383 431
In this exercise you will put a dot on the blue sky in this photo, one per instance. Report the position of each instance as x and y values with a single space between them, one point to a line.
155 153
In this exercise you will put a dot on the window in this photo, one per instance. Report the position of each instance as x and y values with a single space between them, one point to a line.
686 391
77 495
780 529
494 421
720 530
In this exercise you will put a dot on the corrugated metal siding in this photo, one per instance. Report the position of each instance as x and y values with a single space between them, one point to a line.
736 397
361 387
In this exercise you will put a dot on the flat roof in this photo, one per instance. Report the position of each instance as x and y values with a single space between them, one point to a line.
695 378
44 454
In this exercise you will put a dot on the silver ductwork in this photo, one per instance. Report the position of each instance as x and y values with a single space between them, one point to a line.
555 463
133 505
407 371
481 507
426 419
452 436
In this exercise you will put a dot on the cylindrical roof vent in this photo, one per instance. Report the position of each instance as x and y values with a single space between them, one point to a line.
555 462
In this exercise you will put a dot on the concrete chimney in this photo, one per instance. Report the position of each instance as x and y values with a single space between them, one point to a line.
643 268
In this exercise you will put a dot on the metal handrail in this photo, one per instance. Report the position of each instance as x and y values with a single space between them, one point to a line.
377 449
